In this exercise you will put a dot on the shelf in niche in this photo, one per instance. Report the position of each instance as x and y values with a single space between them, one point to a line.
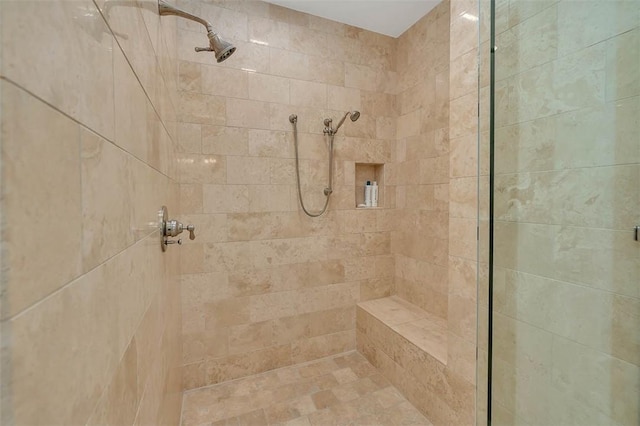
369 172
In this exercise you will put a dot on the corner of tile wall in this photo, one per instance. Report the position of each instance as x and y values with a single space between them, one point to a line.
106 105
262 279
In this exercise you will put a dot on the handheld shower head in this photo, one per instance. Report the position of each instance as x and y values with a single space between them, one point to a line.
353 115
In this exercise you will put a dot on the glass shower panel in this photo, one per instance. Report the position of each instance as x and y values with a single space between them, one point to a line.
565 300
484 108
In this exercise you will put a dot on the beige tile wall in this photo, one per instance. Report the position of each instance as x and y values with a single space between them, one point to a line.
463 192
265 286
90 312
435 241
567 162
267 273
421 172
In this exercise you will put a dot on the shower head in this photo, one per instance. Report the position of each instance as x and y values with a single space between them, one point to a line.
353 115
221 48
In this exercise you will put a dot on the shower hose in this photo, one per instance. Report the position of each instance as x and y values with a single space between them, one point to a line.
328 190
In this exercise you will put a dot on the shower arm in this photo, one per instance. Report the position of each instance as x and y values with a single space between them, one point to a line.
165 8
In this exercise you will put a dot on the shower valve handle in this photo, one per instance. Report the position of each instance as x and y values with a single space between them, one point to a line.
192 234
173 228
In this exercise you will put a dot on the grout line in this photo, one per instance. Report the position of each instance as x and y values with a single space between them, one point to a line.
157 64
565 282
553 334
79 123
302 364
48 296
533 172
603 103
563 225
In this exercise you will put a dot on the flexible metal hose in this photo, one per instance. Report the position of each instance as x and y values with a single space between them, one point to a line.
327 192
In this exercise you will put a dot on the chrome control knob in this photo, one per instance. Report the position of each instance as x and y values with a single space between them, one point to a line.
172 228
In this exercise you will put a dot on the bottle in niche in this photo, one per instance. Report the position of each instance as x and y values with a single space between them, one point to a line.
367 194
374 194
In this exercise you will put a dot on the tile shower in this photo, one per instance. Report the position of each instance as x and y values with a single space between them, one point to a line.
270 316
267 286
108 113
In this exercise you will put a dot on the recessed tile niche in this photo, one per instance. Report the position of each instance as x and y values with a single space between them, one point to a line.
369 172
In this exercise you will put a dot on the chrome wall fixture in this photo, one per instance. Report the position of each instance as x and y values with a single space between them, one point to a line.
172 228
328 130
221 48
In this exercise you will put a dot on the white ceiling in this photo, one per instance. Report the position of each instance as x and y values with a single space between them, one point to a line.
389 17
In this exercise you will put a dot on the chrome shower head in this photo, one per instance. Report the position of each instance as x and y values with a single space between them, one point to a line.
353 115
221 48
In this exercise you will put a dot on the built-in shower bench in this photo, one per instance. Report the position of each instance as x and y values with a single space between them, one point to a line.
393 319
407 345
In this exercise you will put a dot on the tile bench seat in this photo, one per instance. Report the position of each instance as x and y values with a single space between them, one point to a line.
409 347
424 330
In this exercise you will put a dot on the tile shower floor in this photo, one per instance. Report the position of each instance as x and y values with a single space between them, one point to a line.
339 390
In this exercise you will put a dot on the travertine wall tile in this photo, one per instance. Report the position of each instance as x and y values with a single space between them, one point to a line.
91 98
244 113
321 346
273 32
191 197
342 98
189 76
107 193
269 88
225 198
434 258
289 64
420 236
235 366
463 199
203 109
202 169
464 34
280 282
104 171
553 197
580 69
43 259
131 131
224 82
279 241
223 140
308 94
190 138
